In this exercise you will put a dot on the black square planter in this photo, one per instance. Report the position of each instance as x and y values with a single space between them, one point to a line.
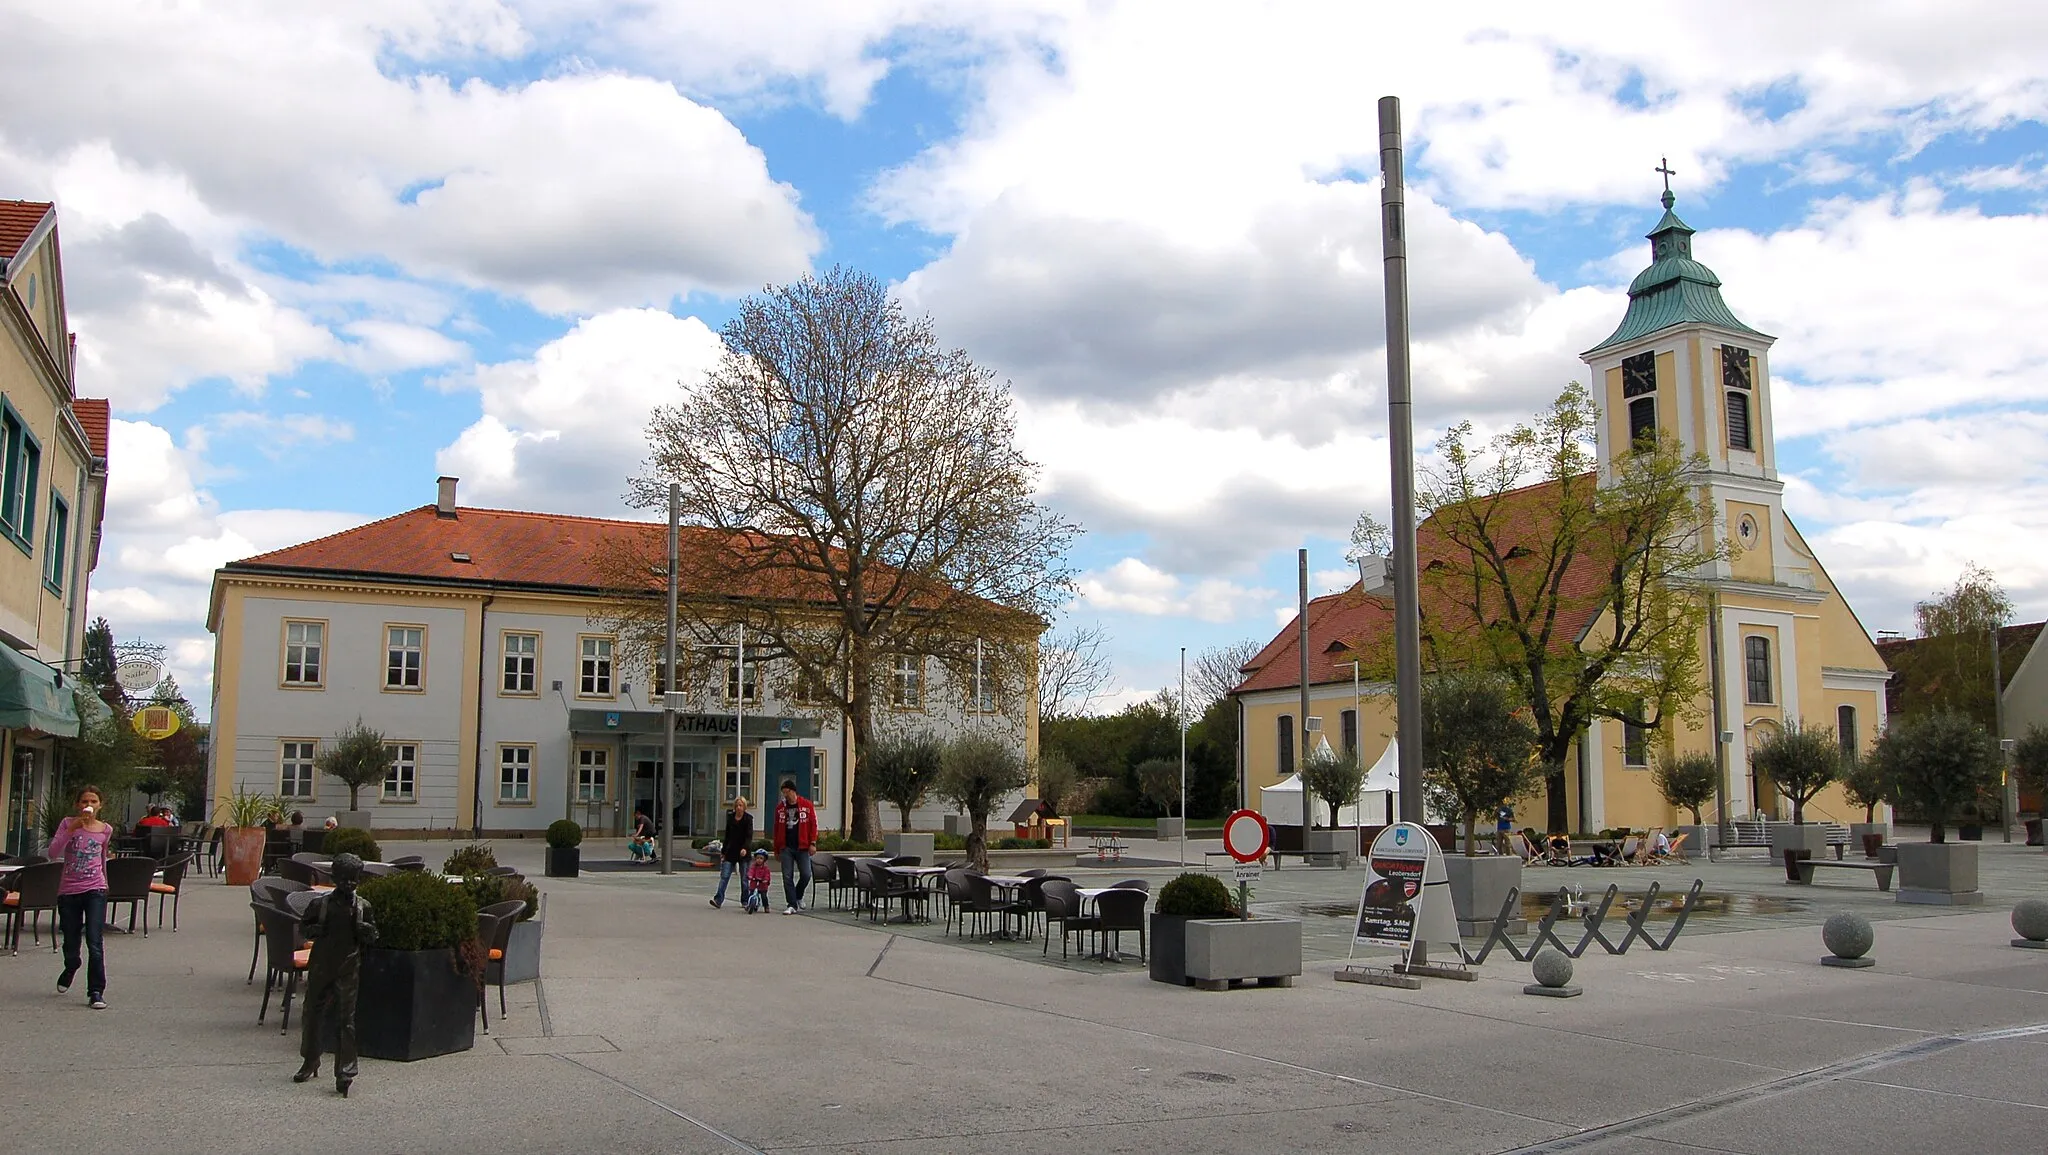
562 861
412 1004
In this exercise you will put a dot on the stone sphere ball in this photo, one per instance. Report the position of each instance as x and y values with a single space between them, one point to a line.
1848 935
2030 920
1552 967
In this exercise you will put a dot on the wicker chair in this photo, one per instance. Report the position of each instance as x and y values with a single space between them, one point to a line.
35 891
1063 905
171 886
1120 910
270 891
288 952
128 881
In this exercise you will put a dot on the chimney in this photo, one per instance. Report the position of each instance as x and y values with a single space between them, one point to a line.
444 502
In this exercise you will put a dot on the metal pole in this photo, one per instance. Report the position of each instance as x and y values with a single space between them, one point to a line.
1724 829
2010 801
1401 452
1301 638
739 725
1183 755
668 687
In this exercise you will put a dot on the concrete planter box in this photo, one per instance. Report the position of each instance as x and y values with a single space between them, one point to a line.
1338 847
1939 873
522 951
1858 830
959 825
918 846
1223 951
1170 829
360 819
1479 886
1698 840
1810 837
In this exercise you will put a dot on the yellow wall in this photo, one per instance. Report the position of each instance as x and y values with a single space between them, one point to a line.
1753 562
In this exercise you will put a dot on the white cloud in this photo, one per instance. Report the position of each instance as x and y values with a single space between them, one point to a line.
564 429
1131 586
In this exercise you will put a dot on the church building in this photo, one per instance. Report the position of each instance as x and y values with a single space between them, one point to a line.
1679 365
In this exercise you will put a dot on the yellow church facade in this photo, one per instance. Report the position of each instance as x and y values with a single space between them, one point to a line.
1781 645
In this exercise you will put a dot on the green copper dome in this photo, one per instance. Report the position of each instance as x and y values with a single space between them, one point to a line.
1674 290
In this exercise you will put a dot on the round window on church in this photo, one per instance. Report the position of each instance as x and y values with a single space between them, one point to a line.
1745 530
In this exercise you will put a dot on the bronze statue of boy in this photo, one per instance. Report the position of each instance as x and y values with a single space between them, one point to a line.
339 925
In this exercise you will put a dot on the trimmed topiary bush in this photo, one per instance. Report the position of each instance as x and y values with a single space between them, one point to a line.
352 840
564 833
1195 896
418 911
475 858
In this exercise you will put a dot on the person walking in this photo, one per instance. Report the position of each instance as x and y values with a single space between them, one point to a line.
732 854
796 835
83 844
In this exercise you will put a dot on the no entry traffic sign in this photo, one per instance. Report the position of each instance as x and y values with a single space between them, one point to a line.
1245 836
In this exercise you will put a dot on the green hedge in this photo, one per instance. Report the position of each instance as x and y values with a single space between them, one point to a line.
475 858
1195 896
352 840
415 910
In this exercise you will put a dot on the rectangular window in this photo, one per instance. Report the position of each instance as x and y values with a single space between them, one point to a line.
806 689
592 766
1642 423
56 543
1286 744
743 678
739 774
304 643
906 684
981 689
403 776
594 673
1845 731
405 656
295 769
1348 721
818 775
21 458
1738 421
515 774
1756 664
522 664
1635 740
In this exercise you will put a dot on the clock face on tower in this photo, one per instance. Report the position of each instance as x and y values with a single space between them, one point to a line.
1746 531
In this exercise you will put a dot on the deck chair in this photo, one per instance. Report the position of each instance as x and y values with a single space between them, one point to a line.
1677 851
1627 852
1527 851
1643 849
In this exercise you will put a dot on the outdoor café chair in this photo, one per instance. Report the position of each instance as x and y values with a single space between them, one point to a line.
288 954
1031 899
171 886
378 869
293 870
502 872
1063 906
35 891
843 879
488 927
268 890
903 860
1137 884
309 858
128 881
972 895
1120 910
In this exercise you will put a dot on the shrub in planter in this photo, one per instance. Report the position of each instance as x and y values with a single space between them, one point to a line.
420 982
1801 761
351 840
490 889
1185 899
475 858
564 833
564 858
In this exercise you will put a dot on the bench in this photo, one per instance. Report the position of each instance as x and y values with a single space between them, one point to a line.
1757 836
1804 868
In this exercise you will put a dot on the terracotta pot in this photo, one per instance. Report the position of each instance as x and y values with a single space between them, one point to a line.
242 846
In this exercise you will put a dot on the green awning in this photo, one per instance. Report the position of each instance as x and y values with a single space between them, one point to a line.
33 696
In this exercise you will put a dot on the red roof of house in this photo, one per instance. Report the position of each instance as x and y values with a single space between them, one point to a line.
93 414
17 220
1342 624
2014 643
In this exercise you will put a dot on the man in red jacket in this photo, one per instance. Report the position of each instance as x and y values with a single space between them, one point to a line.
796 835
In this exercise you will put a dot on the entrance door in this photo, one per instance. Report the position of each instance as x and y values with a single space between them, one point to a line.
593 800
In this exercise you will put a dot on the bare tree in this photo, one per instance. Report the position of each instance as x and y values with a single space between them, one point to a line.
870 508
1072 671
1217 671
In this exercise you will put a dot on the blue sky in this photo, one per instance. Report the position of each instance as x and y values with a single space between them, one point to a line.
317 257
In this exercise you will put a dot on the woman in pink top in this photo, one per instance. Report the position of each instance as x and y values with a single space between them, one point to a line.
83 844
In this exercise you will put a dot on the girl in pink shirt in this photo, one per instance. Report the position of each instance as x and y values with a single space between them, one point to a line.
83 844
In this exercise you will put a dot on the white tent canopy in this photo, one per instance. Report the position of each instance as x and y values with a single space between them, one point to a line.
1285 802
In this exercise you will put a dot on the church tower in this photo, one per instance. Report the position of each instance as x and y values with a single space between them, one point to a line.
1682 365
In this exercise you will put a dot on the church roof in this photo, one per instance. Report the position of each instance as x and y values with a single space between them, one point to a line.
1674 290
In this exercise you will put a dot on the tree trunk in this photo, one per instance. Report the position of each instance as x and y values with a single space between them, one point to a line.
866 818
977 843
1935 833
1471 830
1798 812
1556 811
1697 820
906 818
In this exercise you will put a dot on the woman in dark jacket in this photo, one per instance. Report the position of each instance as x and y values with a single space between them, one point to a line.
739 836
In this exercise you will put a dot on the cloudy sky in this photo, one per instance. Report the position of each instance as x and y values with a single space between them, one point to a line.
318 254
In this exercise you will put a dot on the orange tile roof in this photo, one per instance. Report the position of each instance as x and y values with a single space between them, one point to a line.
1341 625
94 415
17 220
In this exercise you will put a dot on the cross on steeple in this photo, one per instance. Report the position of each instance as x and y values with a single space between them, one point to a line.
1664 166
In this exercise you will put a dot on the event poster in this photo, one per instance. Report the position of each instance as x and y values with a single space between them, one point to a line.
1407 892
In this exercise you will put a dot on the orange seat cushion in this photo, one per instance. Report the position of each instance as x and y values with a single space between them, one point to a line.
162 888
13 899
302 958
496 954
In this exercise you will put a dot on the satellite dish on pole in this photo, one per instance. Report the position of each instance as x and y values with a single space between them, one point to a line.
138 675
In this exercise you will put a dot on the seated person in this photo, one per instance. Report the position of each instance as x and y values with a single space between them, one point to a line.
295 828
1560 847
1660 846
158 816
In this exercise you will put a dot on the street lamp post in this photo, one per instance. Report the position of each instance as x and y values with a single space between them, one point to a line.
668 696
1183 719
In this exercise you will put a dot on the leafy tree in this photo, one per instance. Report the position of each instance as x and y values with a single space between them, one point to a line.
99 661
1112 746
358 757
2030 758
1055 780
1949 668
1800 761
903 768
1937 763
1478 750
1579 591
1160 779
1687 781
868 477
1334 777
1865 784
1212 761
977 772
106 753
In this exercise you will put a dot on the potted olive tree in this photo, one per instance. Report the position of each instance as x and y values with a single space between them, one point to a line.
1479 754
900 770
1197 934
1935 763
1864 784
420 982
1801 761
1159 781
359 758
564 858
1688 782
1335 779
976 773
